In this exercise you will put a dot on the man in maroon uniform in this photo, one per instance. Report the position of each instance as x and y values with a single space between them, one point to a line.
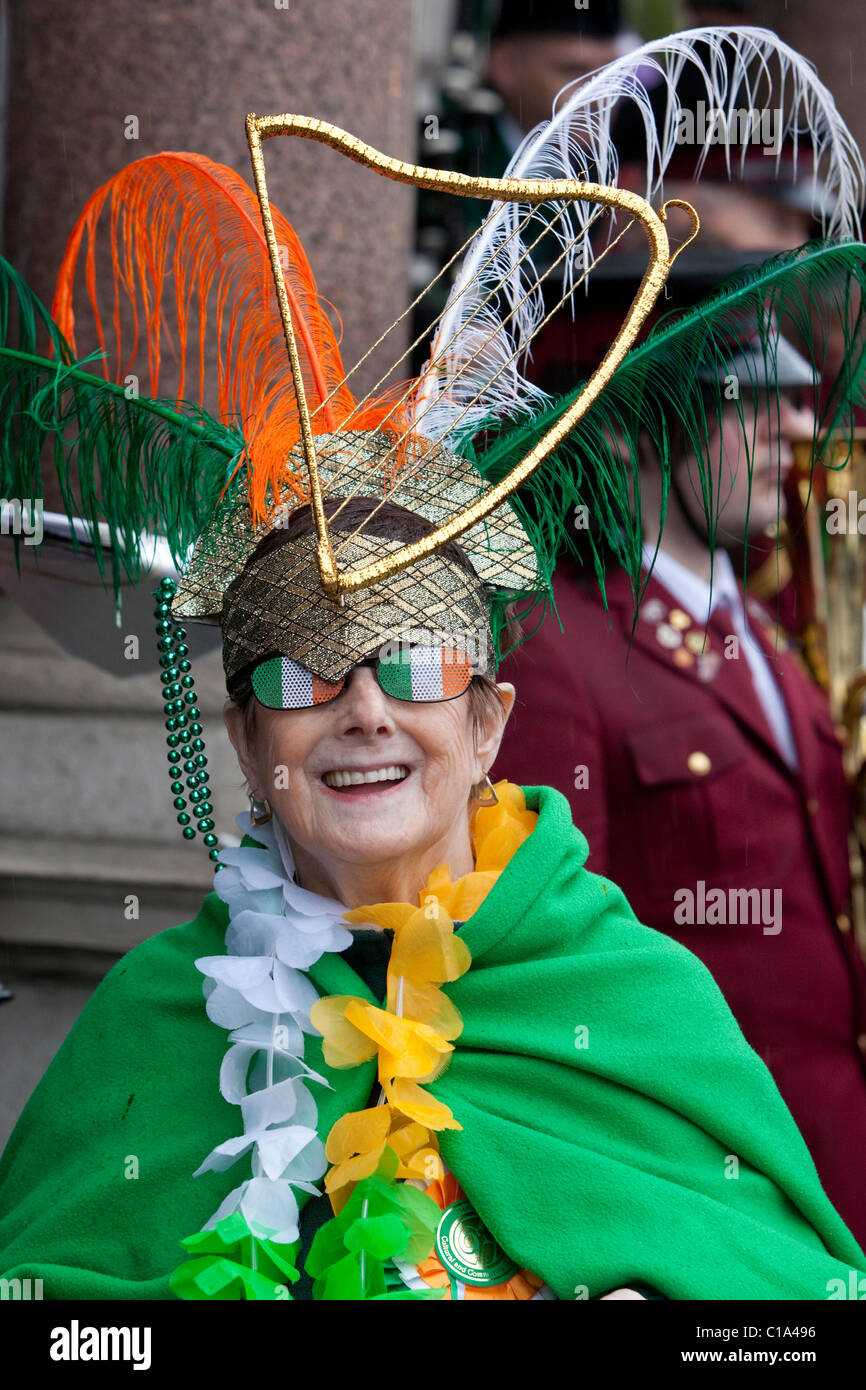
705 771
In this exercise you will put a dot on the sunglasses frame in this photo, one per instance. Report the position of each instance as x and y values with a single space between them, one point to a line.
373 661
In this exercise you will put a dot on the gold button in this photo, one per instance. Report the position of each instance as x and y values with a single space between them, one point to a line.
683 658
678 619
843 922
699 764
696 640
812 806
861 1043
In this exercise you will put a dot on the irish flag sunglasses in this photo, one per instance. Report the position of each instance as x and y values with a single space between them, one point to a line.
418 674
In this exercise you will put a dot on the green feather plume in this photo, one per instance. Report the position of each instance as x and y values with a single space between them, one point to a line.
134 464
815 295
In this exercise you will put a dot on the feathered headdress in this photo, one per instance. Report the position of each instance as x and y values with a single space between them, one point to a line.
195 258
193 253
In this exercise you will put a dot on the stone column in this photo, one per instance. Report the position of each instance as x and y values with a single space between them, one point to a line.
188 72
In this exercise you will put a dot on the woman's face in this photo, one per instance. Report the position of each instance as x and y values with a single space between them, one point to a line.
308 764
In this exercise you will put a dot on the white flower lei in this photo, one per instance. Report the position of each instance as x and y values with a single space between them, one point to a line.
258 990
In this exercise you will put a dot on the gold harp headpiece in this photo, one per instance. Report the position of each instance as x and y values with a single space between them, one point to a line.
531 191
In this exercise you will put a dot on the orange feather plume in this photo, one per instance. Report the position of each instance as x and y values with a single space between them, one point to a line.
185 235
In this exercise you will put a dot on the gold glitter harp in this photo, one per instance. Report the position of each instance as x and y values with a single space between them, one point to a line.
532 191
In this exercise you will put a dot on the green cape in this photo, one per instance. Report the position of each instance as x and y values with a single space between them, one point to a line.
616 1125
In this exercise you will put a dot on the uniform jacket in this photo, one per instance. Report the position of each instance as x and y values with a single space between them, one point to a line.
676 780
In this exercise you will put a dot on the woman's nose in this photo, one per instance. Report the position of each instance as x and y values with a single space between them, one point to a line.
365 706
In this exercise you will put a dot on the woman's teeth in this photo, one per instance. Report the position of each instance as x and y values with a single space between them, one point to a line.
394 773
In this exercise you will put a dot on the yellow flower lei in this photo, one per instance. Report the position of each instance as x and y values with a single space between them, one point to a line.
413 1036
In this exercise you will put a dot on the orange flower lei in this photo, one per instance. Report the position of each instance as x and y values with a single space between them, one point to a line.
413 1035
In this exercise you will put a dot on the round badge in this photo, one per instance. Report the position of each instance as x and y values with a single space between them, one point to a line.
668 636
678 619
697 641
467 1249
653 610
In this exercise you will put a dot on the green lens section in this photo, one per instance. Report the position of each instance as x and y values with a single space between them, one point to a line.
267 683
395 675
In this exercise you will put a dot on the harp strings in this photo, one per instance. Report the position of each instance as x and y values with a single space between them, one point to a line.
518 231
443 350
412 386
411 469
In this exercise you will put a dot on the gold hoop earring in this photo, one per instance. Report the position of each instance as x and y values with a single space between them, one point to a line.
484 792
260 811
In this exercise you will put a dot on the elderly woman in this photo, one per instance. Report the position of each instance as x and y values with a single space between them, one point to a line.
435 1057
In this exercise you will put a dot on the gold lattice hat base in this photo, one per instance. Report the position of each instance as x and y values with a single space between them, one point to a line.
360 463
277 606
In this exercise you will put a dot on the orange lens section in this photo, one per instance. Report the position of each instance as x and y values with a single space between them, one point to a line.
457 673
323 691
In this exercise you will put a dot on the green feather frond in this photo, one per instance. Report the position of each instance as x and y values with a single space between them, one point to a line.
24 320
816 296
133 464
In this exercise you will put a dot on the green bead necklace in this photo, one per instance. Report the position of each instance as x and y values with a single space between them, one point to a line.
182 721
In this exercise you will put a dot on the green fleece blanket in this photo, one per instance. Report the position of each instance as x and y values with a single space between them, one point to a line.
616 1125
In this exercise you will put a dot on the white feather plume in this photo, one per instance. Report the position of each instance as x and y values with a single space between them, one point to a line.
496 303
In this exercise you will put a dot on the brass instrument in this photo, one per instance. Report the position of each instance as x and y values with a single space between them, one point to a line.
832 494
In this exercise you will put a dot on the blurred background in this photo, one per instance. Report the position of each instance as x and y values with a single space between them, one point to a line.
91 861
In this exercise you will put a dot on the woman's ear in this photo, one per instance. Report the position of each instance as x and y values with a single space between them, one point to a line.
236 727
493 727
